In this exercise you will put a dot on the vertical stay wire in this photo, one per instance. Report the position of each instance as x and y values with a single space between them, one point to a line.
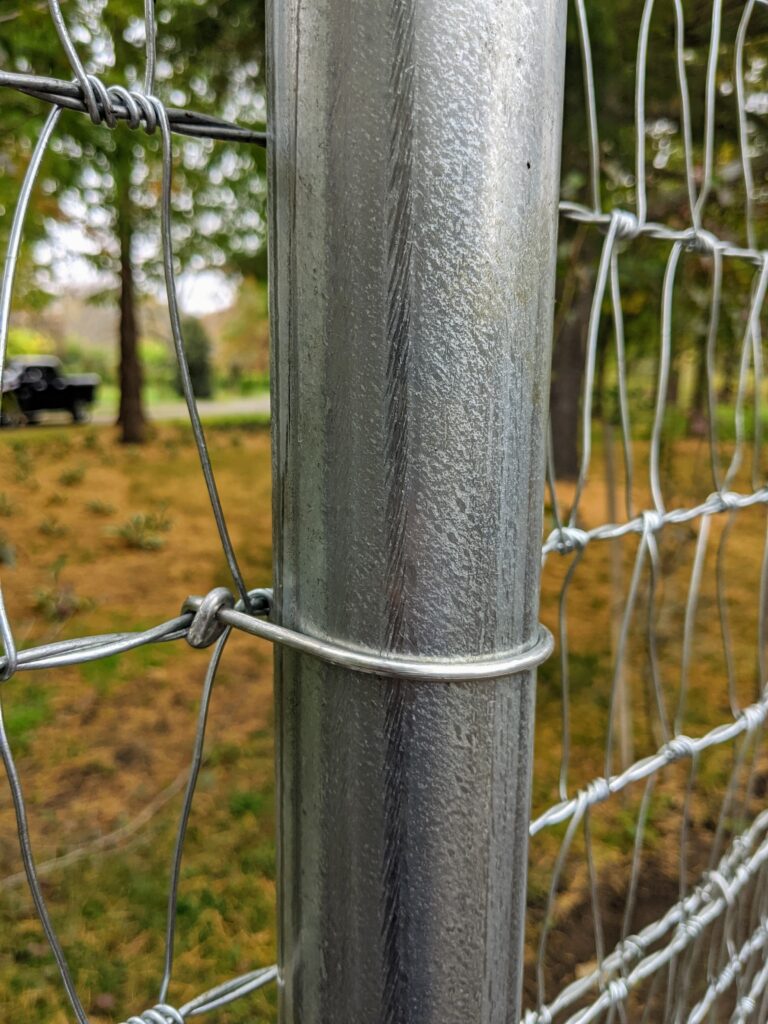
17 795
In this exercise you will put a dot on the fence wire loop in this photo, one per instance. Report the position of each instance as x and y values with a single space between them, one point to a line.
206 627
160 1014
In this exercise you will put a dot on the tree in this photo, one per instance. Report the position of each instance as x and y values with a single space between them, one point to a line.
106 181
198 348
614 30
245 335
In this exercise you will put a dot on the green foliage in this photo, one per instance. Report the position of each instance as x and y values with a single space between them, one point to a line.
72 477
248 801
51 527
104 181
24 711
158 361
23 341
7 551
76 358
245 335
197 346
142 531
100 508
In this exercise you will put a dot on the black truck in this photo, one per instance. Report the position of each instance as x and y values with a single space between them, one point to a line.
33 385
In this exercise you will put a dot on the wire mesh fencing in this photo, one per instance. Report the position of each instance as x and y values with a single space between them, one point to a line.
648 839
200 619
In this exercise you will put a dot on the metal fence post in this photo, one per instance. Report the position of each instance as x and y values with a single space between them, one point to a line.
414 173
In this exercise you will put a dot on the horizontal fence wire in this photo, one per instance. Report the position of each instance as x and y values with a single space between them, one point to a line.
649 841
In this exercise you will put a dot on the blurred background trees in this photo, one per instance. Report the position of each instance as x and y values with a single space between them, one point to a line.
614 30
96 205
198 348
95 216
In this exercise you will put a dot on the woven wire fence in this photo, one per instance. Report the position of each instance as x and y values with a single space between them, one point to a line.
202 621
649 840
648 895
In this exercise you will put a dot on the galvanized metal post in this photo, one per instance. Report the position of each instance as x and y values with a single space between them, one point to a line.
414 172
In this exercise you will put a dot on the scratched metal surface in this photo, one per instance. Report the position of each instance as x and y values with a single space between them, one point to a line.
414 165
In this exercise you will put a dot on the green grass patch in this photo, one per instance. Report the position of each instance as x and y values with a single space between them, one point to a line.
25 708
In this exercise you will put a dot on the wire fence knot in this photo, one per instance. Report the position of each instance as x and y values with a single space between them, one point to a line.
9 663
718 880
729 500
627 225
754 716
652 521
160 1014
114 102
632 948
618 991
206 628
703 242
597 792
747 1006
693 927
566 539
681 747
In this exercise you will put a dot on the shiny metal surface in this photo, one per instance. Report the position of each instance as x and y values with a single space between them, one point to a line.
414 166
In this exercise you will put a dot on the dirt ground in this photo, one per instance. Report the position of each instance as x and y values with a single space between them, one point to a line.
100 743
95 537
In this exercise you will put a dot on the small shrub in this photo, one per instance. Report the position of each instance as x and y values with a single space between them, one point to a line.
141 531
7 551
7 509
72 477
92 442
51 527
159 521
56 500
197 347
23 460
100 508
59 603
249 801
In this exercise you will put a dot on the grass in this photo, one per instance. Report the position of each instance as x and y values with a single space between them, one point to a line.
99 743
142 531
108 396
72 477
24 712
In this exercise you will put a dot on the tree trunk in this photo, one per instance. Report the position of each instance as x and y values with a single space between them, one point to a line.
567 378
131 419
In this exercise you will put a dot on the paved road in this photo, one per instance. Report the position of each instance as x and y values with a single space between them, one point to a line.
256 405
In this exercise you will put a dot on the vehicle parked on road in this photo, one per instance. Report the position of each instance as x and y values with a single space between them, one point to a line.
33 385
